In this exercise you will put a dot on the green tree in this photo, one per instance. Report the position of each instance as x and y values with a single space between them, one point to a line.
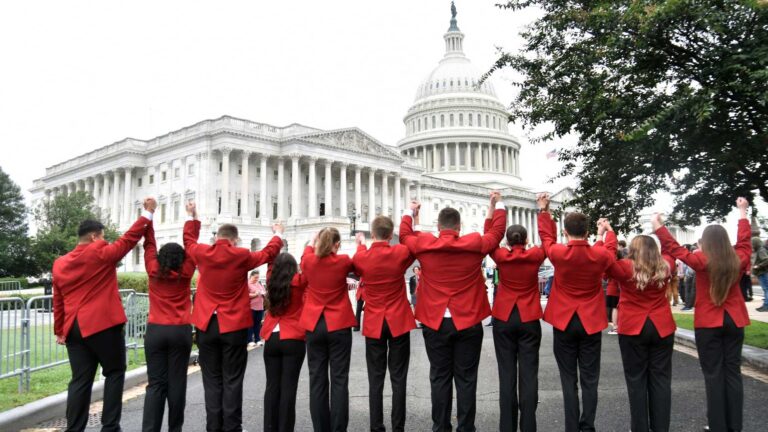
57 223
14 240
664 95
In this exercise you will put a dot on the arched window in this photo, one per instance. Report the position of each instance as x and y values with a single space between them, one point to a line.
494 122
487 121
426 123
469 117
442 120
434 123
451 120
419 124
461 119
479 122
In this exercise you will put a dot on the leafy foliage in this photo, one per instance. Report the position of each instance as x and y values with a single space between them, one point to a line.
663 95
14 241
57 221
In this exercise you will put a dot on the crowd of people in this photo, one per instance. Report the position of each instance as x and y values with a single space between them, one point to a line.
307 312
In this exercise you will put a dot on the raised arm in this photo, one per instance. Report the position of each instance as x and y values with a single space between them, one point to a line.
619 272
670 246
270 251
115 251
547 226
408 236
497 214
743 245
191 230
150 250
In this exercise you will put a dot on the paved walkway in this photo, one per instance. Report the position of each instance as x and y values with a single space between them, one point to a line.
689 411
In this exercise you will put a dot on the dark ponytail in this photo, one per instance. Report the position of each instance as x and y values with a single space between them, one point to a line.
171 258
516 235
279 285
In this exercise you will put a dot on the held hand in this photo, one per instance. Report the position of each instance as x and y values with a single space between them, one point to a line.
61 340
742 203
359 239
278 228
415 206
601 227
657 221
495 197
150 204
191 208
542 200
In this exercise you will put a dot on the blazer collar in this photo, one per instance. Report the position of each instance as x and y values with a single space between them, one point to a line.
383 244
578 243
449 233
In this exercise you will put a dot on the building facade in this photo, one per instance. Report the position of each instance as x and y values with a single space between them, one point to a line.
456 150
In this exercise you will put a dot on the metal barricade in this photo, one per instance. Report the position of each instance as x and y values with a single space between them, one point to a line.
44 352
137 312
13 349
10 286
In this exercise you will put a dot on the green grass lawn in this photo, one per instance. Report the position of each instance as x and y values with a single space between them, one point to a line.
755 334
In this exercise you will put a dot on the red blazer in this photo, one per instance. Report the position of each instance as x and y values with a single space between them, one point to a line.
327 293
85 284
169 297
382 268
451 275
578 285
289 319
636 306
613 287
518 282
706 314
223 282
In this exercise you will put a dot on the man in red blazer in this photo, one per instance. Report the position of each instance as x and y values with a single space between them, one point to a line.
576 308
453 301
88 317
388 319
222 316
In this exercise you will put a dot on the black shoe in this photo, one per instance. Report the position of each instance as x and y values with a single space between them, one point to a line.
355 328
762 309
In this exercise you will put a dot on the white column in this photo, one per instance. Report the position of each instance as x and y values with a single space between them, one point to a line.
281 213
478 157
398 198
358 192
115 215
385 193
312 201
295 191
329 188
457 150
371 194
244 185
104 204
446 159
435 158
468 157
500 164
517 163
263 199
184 187
343 190
424 157
535 227
225 208
128 198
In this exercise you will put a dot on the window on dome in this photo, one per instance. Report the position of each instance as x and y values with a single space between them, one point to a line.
494 122
466 83
442 120
451 120
479 120
434 124
419 123
469 117
426 123
487 121
451 83
461 119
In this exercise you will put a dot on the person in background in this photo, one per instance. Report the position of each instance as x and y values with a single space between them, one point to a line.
760 269
388 320
720 315
690 282
646 334
256 293
413 285
576 308
517 329
612 293
222 315
360 304
88 317
745 283
168 339
285 349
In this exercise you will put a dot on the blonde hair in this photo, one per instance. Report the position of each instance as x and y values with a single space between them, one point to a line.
649 267
723 265
326 239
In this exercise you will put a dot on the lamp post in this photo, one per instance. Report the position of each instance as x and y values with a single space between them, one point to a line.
352 227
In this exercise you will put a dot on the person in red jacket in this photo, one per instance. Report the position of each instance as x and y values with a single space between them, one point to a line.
388 319
168 339
612 295
517 329
453 301
222 316
284 349
88 317
576 308
646 332
720 314
328 318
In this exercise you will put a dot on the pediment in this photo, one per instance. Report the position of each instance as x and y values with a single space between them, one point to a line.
352 139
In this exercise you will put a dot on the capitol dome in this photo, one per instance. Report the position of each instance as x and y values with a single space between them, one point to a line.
456 128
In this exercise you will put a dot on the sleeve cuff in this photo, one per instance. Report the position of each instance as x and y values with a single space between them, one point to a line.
189 218
146 214
408 212
500 206
281 235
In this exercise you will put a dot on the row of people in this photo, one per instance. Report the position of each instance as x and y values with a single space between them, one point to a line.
310 304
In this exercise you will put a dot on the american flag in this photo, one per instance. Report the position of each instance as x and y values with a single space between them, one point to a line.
552 153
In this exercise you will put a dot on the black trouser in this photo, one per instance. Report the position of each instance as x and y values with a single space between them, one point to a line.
282 364
255 329
745 283
359 312
167 349
690 291
105 348
223 358
326 349
377 359
647 360
454 355
720 358
517 342
576 350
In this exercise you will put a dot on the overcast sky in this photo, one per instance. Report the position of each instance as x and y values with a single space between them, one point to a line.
79 75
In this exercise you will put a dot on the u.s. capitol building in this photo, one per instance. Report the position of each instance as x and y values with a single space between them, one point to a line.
456 149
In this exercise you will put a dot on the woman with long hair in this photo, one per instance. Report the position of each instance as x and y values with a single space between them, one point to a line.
328 319
646 332
284 349
720 314
168 339
517 329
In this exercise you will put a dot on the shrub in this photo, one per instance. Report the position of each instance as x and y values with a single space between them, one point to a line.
22 280
133 280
